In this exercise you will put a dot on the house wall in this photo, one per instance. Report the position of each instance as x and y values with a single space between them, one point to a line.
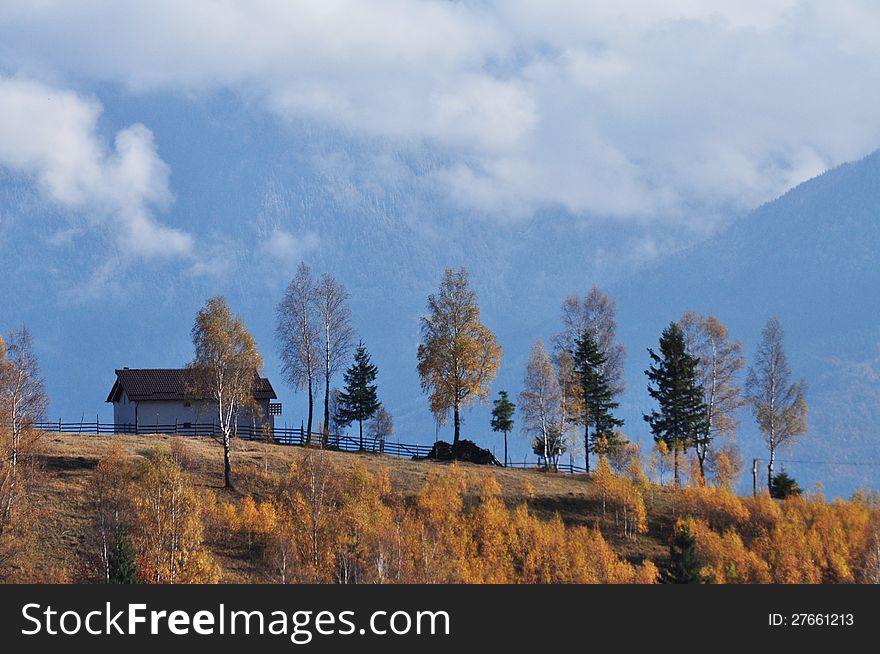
169 412
123 411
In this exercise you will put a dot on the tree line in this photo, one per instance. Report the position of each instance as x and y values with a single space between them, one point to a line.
567 404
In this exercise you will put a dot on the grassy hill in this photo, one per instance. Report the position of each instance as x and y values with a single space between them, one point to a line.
58 492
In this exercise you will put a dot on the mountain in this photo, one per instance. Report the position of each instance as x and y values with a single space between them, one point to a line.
810 258
258 196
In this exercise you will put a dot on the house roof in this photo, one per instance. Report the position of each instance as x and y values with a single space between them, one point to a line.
166 384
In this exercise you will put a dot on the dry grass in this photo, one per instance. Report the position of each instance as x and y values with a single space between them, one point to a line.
67 460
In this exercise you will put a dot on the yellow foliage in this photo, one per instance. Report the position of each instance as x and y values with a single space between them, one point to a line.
167 530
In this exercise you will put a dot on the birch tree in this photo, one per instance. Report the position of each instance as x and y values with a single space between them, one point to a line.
540 406
23 402
595 313
719 362
225 369
334 318
22 393
778 404
298 337
459 356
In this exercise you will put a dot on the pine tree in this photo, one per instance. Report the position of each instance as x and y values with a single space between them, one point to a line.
783 486
502 417
674 385
590 366
684 562
121 559
359 401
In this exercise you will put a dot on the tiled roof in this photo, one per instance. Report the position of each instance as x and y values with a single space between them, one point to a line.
166 384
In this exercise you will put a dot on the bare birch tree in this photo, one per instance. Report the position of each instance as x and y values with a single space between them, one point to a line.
23 402
298 337
779 405
336 333
720 361
595 313
540 406
225 369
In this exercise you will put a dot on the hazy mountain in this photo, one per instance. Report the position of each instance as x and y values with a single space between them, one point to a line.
372 215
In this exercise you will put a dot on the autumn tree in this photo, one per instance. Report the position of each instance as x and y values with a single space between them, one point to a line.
167 525
309 499
674 385
502 418
660 460
359 401
779 405
299 337
334 318
571 402
108 493
539 404
597 393
459 356
719 362
22 394
225 369
23 403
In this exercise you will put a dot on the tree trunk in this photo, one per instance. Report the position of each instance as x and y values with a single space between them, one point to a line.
770 466
311 408
587 448
675 465
505 449
326 431
361 435
227 464
457 425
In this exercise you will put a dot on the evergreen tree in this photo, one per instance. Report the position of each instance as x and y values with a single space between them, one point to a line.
684 562
121 559
502 417
673 384
359 402
783 486
590 367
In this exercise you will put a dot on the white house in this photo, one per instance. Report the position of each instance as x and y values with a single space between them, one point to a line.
155 400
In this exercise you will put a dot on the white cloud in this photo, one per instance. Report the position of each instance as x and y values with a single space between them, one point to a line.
620 108
51 134
286 248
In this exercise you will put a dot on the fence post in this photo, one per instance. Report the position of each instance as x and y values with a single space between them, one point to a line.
60 427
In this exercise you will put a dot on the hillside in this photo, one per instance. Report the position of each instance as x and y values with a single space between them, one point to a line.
305 515
67 461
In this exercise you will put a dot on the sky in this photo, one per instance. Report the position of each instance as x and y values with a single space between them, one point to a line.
155 153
